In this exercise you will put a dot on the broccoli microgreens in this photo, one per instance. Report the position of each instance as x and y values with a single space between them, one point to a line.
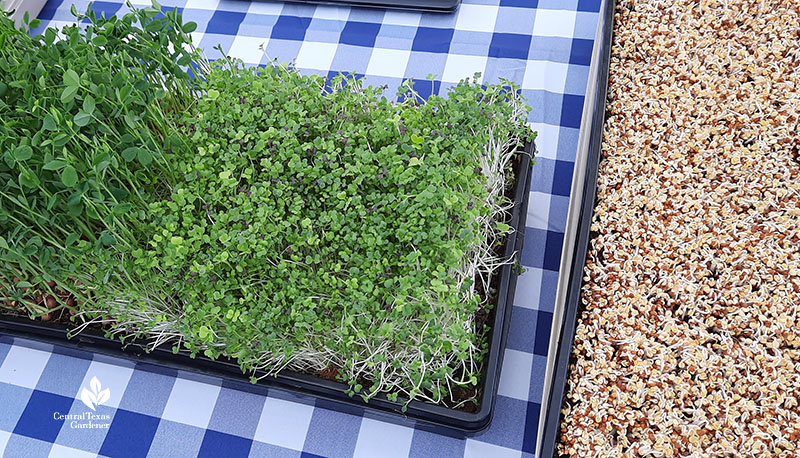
349 232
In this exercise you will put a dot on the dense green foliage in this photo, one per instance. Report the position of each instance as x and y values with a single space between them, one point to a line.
316 228
278 219
84 124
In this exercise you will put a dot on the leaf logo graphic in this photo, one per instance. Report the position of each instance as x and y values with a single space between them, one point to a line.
95 397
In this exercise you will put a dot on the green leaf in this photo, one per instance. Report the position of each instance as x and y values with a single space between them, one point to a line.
129 154
71 78
8 157
130 120
71 238
68 94
75 198
49 123
45 254
69 176
55 164
100 40
82 118
52 202
28 179
118 193
88 104
23 152
502 227
144 156
189 27
122 209
61 140
75 210
107 239
3 243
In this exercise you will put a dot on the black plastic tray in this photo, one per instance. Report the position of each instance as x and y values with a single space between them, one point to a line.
431 6
322 392
554 394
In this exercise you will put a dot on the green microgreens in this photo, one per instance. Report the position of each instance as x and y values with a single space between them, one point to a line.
286 221
86 123
318 228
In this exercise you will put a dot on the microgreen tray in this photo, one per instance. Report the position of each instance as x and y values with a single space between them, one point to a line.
314 389
433 6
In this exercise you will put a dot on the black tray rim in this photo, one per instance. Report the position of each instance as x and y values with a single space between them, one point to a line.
554 394
425 6
316 390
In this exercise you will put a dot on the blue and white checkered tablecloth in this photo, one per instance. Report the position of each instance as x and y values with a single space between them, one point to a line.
543 45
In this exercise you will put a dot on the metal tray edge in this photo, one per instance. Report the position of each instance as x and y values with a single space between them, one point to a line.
554 393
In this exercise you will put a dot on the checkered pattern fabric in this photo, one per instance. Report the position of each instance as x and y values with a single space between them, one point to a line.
543 45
